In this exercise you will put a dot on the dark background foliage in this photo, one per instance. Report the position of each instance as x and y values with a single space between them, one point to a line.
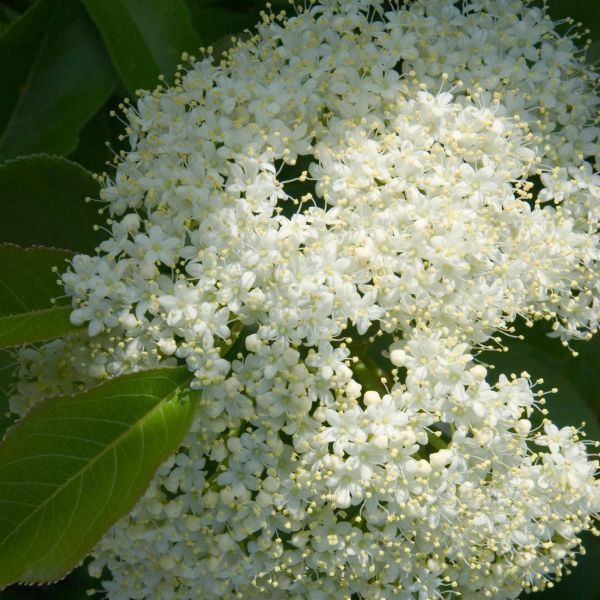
65 65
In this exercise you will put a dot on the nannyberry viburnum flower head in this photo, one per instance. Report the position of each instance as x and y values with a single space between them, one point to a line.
327 226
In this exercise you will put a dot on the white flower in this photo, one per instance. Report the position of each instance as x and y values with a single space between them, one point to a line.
181 305
348 200
343 428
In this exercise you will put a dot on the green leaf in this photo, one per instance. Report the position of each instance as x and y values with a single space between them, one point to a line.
593 54
19 44
544 357
74 587
27 281
7 15
42 200
99 139
584 582
74 465
27 287
35 326
217 21
145 38
586 12
65 77
584 370
8 367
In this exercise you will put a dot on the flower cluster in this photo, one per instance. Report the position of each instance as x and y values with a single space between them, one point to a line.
327 226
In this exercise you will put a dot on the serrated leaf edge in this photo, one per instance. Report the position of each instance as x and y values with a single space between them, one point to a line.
168 398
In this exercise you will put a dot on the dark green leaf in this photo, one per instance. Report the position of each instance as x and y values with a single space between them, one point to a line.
544 357
74 465
73 587
7 372
27 281
19 44
586 12
42 202
593 53
586 372
216 20
145 38
93 152
35 326
27 286
68 78
584 582
7 16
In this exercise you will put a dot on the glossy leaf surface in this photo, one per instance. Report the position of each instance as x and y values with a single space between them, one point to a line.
145 38
74 465
27 280
66 78
42 199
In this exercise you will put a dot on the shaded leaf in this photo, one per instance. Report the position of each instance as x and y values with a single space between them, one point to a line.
7 373
544 357
27 286
7 16
93 152
145 38
73 587
216 20
68 78
35 326
19 44
586 12
584 582
593 54
74 465
585 370
42 199
27 281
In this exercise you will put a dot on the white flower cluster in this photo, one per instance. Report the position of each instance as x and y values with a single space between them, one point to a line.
355 201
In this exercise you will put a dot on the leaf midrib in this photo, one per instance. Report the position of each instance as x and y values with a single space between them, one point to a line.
89 464
35 312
